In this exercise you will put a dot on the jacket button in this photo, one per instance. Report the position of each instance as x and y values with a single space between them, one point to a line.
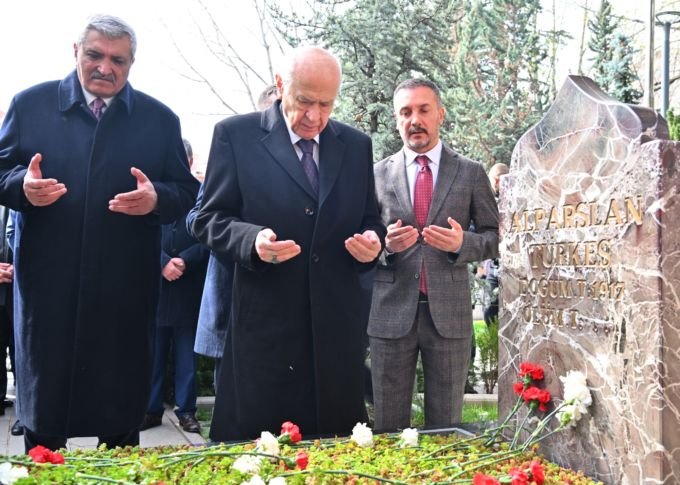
309 211
416 276
315 258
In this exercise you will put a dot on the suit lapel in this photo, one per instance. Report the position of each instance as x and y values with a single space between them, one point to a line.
277 142
331 153
397 175
448 169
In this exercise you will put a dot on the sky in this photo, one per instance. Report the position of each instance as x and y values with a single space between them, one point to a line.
38 35
37 39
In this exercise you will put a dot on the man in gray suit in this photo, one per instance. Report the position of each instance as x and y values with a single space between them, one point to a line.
427 195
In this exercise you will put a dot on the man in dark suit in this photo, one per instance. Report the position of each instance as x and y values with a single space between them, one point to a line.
421 296
289 197
93 168
183 262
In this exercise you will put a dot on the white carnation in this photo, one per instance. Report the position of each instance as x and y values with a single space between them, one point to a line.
247 464
409 437
268 443
362 435
576 396
277 481
254 480
10 474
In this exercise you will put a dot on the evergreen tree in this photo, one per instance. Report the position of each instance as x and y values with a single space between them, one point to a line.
380 43
620 74
497 92
602 29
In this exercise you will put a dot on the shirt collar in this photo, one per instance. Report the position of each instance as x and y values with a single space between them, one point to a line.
89 97
294 137
434 154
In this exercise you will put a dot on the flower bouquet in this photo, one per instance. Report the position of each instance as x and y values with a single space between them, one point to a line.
409 457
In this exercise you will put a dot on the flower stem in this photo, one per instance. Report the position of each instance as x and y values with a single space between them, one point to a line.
344 472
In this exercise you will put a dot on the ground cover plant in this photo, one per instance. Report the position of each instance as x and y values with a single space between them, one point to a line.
409 457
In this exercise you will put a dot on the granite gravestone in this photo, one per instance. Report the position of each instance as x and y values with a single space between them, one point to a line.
590 280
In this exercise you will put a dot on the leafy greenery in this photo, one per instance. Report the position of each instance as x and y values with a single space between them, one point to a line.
380 43
601 30
613 67
497 91
487 344
331 461
673 124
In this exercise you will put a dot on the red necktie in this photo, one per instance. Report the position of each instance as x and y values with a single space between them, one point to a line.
422 197
98 108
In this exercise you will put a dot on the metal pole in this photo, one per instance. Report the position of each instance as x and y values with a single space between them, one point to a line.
650 56
665 67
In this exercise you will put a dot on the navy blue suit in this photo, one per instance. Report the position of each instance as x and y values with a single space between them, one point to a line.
177 318
86 278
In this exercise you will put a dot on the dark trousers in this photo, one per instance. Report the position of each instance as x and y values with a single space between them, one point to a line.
6 344
181 339
31 440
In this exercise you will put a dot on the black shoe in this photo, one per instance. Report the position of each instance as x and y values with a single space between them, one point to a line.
7 403
151 421
189 423
17 428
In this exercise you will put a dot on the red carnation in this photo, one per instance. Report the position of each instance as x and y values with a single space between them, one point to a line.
518 387
536 470
481 479
290 432
534 371
536 397
40 454
302 460
519 477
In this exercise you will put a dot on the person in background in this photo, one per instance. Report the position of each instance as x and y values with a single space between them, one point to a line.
289 197
17 428
488 269
421 296
183 263
6 309
94 168
213 318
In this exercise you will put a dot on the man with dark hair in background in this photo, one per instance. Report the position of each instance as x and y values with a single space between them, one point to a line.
421 296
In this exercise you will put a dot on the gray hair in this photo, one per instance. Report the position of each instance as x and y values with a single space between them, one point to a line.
112 28
290 62
188 149
267 97
420 83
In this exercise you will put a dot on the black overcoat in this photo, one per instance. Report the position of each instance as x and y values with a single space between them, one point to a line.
86 278
296 345
180 300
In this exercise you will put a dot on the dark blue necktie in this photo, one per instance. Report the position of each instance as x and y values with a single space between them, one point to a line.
308 164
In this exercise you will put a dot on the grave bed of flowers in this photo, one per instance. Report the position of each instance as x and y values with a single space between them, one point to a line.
408 457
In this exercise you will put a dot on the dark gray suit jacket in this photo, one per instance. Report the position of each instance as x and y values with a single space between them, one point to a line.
463 192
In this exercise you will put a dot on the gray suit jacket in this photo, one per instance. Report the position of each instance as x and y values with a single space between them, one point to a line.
463 192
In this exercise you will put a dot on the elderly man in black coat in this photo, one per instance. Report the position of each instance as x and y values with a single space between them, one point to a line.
94 168
289 197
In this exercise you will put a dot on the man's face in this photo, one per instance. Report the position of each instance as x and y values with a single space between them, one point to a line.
307 100
103 64
418 118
